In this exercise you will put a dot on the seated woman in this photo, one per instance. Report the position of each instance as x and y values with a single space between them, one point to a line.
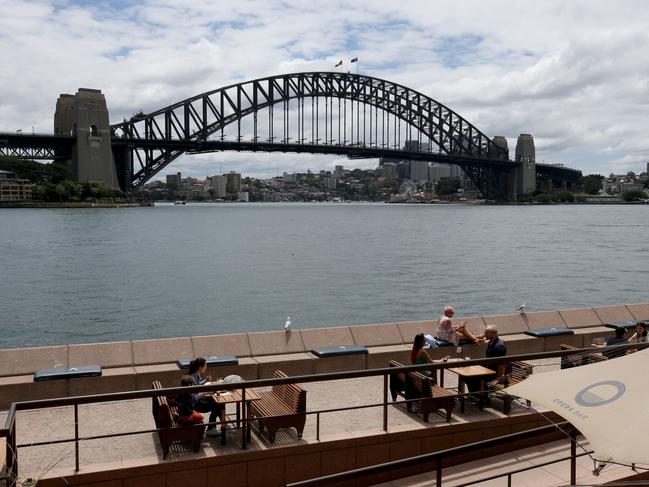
640 334
185 404
454 334
419 355
204 402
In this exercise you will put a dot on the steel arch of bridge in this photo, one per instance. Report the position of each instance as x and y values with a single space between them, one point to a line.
156 139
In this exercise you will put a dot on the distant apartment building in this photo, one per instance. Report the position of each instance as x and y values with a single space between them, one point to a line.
233 182
329 182
340 169
419 171
174 181
390 170
13 188
630 186
219 186
290 177
243 196
188 182
439 171
416 146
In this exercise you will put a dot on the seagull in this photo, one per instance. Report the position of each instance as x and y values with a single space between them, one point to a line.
287 325
522 307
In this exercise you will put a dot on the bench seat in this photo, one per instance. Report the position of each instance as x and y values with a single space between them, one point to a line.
627 325
67 372
338 351
212 361
169 431
549 332
415 385
286 406
512 373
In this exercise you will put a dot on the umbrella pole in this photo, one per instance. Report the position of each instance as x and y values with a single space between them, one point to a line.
573 456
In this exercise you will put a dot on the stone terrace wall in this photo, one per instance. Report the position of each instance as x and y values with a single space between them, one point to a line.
129 365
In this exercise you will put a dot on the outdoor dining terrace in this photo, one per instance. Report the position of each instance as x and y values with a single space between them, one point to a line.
351 422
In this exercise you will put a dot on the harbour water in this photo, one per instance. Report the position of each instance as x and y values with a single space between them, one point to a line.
90 275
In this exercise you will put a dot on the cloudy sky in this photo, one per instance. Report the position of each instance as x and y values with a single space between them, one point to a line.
574 74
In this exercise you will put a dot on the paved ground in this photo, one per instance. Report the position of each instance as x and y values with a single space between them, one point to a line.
116 417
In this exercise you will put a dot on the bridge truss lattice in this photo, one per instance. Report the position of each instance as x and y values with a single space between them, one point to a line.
316 112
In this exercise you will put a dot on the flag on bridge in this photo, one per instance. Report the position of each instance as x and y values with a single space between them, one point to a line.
355 60
340 63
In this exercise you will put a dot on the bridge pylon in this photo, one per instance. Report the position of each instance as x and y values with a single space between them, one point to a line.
85 116
523 178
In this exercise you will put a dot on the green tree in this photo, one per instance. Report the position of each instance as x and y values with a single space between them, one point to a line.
592 183
634 195
34 171
448 186
543 198
630 175
566 197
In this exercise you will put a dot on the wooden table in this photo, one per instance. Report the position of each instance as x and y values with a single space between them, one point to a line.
235 396
441 371
470 372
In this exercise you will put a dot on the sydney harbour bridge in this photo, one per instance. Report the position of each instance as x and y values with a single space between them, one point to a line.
317 112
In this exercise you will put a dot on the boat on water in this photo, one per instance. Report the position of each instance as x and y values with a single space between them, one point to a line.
179 202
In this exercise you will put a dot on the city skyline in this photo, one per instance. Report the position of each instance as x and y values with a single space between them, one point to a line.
573 75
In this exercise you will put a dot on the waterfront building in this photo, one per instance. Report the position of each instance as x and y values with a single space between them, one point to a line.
290 177
419 171
416 146
630 186
243 196
403 169
233 182
218 186
439 171
390 170
329 182
174 180
12 188
188 182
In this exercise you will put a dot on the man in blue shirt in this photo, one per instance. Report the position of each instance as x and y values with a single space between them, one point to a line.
495 346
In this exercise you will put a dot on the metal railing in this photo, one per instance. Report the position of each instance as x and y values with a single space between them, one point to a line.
9 430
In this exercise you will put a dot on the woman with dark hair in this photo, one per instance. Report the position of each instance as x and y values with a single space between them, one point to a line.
204 401
197 369
418 354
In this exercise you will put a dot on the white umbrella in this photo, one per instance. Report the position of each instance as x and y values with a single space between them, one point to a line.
606 401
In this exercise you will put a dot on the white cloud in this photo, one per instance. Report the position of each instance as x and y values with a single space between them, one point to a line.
574 74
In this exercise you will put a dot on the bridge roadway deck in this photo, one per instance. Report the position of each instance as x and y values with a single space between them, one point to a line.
54 461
